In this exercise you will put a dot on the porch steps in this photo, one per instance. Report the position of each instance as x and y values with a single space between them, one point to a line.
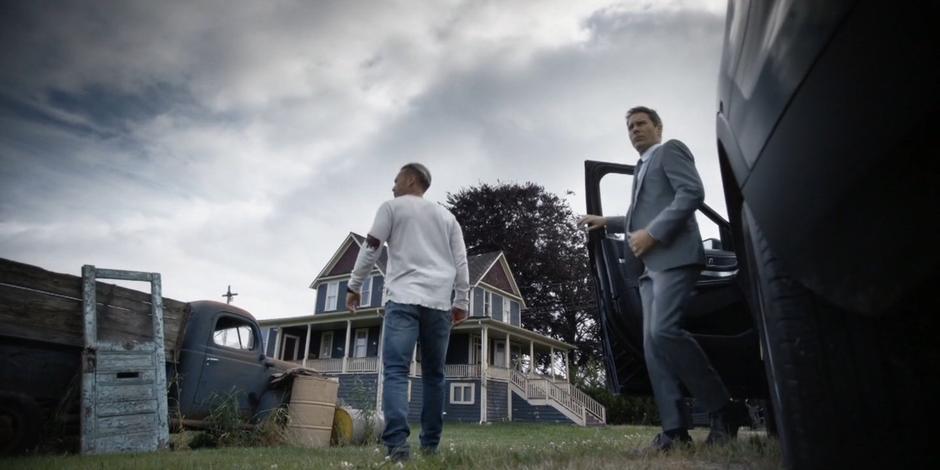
568 400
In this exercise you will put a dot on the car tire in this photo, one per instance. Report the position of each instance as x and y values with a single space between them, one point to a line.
846 390
20 423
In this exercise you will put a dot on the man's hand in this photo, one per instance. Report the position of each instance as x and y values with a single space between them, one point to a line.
641 242
352 301
593 222
458 315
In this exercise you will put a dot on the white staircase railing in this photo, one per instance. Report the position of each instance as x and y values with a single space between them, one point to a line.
567 398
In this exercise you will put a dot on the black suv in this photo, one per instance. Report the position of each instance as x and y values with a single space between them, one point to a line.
826 114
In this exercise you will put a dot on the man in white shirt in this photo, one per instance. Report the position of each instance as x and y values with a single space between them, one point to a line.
427 263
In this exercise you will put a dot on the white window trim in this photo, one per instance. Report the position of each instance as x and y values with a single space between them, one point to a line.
507 310
470 385
284 345
487 303
365 343
365 292
474 350
329 351
332 290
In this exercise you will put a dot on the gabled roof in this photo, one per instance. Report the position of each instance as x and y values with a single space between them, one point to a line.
382 263
353 240
480 264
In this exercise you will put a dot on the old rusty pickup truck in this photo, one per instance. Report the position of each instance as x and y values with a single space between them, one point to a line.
212 350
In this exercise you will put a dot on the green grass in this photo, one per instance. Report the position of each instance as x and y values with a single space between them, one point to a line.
469 446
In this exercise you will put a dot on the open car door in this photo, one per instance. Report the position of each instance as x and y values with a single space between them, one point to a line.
717 314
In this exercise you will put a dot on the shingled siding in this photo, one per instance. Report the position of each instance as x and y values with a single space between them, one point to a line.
358 390
497 401
452 412
524 412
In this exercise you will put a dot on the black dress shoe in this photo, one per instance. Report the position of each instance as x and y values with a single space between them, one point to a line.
662 442
724 424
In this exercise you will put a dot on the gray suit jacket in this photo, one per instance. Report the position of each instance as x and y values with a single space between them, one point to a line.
669 194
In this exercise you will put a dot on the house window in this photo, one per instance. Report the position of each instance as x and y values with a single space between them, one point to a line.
326 345
507 309
499 354
332 289
366 292
362 342
461 393
487 303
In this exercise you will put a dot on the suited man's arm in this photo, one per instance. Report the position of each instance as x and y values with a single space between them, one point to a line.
679 167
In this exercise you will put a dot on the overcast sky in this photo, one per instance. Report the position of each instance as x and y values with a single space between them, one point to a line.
226 142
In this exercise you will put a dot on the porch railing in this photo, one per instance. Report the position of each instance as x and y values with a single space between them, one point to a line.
462 370
362 364
326 365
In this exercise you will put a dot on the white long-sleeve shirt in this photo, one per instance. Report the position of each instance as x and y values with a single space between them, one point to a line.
427 258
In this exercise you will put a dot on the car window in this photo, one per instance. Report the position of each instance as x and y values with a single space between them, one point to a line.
234 333
615 195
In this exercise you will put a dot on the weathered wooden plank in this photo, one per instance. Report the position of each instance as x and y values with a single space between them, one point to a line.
122 408
142 442
124 361
124 424
32 298
115 393
125 377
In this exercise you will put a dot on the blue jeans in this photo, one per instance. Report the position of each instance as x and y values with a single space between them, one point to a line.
404 324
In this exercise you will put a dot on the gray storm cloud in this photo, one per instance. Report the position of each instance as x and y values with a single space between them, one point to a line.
237 142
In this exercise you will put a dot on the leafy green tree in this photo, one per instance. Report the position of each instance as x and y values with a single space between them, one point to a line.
537 231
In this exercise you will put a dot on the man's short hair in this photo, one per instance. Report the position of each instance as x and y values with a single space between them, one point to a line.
654 116
421 172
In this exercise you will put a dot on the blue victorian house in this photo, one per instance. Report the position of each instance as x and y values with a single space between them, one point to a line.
489 369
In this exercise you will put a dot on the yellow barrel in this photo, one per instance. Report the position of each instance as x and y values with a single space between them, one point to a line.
355 426
311 409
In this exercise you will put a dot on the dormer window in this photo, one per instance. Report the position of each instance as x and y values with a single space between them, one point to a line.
332 290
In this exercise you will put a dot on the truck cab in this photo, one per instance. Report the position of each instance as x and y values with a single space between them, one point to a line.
221 355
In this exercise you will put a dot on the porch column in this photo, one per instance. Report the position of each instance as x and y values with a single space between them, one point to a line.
567 370
484 362
346 349
531 357
380 368
551 362
508 351
307 345
277 341
509 383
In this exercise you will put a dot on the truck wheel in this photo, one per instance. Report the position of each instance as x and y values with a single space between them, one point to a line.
846 390
20 422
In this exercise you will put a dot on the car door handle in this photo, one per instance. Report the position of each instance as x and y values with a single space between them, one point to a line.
212 359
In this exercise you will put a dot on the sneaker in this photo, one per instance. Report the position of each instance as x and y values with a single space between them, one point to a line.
724 423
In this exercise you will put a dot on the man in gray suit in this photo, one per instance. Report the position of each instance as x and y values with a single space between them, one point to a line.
662 232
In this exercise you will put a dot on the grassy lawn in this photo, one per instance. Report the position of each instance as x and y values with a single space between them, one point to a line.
495 446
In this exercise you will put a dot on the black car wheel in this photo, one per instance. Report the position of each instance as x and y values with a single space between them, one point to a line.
846 389
20 423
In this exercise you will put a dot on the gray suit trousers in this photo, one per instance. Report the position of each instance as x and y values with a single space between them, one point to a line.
672 354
